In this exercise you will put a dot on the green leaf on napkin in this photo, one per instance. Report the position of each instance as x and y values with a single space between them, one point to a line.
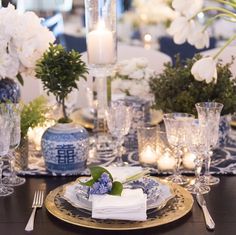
88 183
96 172
117 188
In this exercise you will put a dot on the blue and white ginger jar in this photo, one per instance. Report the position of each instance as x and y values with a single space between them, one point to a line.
65 148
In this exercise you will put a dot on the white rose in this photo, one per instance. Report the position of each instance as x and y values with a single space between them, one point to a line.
141 62
205 69
127 69
137 75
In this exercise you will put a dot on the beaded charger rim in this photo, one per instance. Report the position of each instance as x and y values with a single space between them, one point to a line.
178 207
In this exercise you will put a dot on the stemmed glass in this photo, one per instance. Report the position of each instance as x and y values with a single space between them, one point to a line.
196 143
118 121
15 137
4 147
175 124
209 119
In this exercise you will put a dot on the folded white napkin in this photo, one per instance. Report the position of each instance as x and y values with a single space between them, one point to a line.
122 173
131 205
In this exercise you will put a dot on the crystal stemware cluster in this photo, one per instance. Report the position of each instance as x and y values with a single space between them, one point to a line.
198 136
10 135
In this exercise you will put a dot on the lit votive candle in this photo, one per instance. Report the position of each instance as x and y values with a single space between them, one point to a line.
188 160
148 155
166 162
101 45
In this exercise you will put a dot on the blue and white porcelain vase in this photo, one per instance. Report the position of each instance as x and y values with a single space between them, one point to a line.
65 148
9 90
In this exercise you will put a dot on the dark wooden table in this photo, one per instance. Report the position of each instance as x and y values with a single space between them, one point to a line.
15 211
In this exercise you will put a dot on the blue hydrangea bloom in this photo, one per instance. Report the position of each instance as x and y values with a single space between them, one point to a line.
102 186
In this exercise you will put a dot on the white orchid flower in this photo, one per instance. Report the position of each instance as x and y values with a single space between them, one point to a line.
198 37
187 7
180 29
205 69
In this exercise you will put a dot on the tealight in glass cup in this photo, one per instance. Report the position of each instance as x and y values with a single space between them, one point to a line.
147 136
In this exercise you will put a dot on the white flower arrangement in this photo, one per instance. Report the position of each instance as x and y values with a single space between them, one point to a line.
185 27
131 77
23 40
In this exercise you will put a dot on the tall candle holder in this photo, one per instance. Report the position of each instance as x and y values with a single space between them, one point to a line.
100 18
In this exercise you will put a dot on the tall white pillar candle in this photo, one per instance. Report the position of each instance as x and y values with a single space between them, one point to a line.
100 45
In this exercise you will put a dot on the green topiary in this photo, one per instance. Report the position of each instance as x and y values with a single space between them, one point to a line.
176 90
59 71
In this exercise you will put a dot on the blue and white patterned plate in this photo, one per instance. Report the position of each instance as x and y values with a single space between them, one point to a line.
158 193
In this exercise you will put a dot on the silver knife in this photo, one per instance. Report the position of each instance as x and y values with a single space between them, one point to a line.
209 221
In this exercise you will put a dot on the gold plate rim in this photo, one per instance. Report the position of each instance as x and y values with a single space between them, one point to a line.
129 225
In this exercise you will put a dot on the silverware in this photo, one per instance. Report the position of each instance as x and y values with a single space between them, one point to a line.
37 203
209 221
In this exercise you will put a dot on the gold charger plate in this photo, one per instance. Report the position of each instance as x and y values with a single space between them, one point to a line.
179 206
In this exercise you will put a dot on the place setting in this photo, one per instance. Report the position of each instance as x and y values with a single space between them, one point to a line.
145 202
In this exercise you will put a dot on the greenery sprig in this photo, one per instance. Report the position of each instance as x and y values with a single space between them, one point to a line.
59 71
176 90
33 114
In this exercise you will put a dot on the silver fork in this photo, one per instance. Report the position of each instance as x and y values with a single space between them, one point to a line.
37 203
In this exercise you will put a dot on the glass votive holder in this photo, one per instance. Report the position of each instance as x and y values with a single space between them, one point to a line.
147 135
165 158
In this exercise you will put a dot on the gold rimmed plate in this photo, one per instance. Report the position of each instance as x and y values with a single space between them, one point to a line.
176 208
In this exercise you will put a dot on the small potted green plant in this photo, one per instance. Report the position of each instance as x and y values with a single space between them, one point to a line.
176 89
59 71
65 145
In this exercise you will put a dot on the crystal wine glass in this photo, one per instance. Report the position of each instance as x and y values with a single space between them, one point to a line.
4 148
118 121
15 137
175 124
209 118
196 143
